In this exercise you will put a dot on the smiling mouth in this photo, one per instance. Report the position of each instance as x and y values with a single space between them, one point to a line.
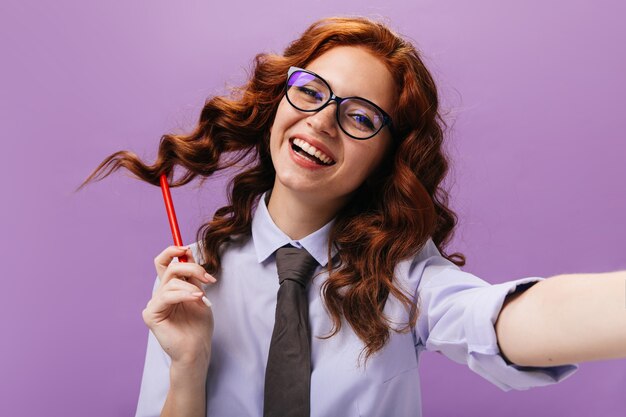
310 152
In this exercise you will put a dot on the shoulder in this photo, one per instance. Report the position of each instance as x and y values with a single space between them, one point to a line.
426 262
234 244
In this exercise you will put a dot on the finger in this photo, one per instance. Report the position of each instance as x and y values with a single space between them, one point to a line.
181 296
188 253
204 281
190 257
163 259
160 306
186 271
178 284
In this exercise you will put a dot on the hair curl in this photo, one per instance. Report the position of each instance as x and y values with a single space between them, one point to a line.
390 217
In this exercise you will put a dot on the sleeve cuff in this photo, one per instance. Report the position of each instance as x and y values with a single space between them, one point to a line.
484 355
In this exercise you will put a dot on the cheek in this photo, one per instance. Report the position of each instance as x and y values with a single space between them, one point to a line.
277 124
380 151
364 158
285 114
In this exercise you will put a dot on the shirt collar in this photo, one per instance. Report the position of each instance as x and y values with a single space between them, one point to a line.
267 237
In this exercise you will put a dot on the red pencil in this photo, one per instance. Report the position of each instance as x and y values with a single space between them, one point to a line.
171 215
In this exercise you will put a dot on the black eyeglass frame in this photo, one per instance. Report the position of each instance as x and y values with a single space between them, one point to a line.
386 118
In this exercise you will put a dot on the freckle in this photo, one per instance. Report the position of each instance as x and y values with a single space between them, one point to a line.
549 359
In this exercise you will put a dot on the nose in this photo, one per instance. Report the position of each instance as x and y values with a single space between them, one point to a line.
325 120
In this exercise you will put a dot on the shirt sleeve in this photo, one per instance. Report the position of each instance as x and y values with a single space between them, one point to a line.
155 382
457 317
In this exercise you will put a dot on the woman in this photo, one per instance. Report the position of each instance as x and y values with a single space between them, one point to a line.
342 141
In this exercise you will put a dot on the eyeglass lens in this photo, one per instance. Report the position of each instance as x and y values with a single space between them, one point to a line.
357 117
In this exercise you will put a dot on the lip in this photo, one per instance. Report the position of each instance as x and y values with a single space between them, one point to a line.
315 143
303 161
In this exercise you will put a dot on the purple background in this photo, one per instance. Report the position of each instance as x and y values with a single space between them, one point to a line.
535 95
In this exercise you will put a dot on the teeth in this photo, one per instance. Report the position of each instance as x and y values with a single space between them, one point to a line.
311 150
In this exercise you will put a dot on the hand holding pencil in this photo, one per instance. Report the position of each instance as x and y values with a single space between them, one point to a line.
178 314
171 216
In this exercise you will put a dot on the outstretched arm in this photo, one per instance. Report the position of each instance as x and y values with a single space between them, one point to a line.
565 319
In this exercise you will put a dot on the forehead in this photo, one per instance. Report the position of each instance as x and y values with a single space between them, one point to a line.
354 71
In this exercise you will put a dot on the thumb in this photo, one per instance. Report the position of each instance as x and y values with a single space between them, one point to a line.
190 257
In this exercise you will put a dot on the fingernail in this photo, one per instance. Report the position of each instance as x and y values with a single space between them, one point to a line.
207 302
209 277
197 293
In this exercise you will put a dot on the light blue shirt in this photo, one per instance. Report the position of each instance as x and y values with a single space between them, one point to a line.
457 316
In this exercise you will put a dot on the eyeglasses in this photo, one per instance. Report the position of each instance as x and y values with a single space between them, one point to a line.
357 117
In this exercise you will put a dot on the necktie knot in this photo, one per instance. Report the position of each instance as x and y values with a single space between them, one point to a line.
294 264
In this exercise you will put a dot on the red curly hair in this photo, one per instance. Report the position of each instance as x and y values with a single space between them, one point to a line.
389 218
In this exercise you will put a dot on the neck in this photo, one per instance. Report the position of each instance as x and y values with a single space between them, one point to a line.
300 215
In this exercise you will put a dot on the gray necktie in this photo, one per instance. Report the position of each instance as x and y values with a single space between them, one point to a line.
288 371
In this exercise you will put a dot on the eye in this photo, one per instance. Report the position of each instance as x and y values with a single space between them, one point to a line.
310 92
362 121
